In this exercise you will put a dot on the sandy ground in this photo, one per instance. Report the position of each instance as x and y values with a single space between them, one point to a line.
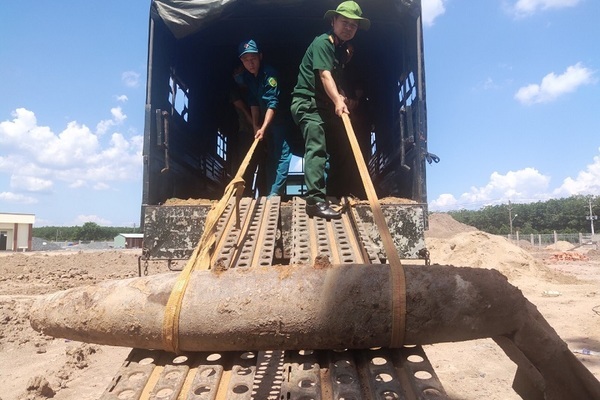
35 367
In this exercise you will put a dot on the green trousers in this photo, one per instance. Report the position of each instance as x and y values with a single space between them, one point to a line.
307 117
329 166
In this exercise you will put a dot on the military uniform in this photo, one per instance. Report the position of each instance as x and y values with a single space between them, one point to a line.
326 144
263 92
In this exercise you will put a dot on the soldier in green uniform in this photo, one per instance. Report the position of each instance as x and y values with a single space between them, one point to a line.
318 103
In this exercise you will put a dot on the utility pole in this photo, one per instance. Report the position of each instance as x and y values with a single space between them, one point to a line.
511 218
591 217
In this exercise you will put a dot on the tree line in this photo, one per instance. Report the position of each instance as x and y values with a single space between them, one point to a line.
567 215
90 231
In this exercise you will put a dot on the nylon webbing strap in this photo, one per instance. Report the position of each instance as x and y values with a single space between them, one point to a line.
398 284
200 258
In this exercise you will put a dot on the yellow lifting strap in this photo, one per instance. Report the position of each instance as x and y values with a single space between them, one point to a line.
201 257
398 285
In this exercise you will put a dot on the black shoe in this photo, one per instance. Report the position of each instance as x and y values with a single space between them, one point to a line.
323 210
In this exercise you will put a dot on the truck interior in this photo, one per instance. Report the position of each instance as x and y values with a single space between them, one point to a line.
191 126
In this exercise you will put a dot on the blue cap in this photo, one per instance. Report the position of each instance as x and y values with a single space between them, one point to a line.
247 46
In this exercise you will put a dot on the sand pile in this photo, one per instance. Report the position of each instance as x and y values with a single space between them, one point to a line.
443 226
454 243
482 250
560 246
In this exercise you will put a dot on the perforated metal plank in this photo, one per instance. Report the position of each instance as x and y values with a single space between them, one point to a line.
381 375
171 379
343 374
301 376
252 242
301 241
269 375
207 376
266 232
420 374
317 237
133 376
228 233
277 375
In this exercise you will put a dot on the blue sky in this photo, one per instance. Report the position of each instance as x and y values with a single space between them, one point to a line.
513 100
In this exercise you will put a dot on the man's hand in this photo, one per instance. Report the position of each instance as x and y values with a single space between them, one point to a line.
341 107
260 134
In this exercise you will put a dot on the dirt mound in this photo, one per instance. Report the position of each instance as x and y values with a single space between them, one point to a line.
593 254
560 246
28 272
442 225
483 250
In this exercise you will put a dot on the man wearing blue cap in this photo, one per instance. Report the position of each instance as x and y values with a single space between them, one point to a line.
263 98
318 103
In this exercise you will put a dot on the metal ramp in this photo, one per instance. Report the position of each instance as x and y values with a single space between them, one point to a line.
250 236
277 375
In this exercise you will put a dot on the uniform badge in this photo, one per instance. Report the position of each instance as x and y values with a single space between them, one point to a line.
272 82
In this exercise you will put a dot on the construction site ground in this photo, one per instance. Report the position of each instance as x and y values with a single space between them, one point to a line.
564 286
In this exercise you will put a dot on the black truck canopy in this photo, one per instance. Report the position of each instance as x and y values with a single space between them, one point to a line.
184 17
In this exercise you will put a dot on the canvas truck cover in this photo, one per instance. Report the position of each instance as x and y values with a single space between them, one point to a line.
184 17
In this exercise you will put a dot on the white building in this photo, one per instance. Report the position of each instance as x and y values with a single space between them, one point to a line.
129 241
16 231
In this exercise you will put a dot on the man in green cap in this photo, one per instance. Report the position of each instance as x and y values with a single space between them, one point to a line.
318 102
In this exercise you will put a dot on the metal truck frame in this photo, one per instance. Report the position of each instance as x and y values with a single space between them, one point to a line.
188 138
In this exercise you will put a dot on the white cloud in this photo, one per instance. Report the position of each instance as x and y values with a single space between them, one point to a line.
117 119
122 98
71 147
554 86
30 183
101 186
444 202
11 197
528 7
130 79
527 184
586 182
77 184
431 9
524 186
35 158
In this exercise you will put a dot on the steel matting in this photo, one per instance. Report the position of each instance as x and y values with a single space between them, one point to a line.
318 237
278 375
253 241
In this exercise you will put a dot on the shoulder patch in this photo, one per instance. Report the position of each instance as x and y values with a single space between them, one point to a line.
272 82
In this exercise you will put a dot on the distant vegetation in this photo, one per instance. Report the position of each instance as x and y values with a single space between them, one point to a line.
561 215
89 231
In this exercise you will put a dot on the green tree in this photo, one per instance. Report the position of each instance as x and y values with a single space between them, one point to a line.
90 231
566 215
